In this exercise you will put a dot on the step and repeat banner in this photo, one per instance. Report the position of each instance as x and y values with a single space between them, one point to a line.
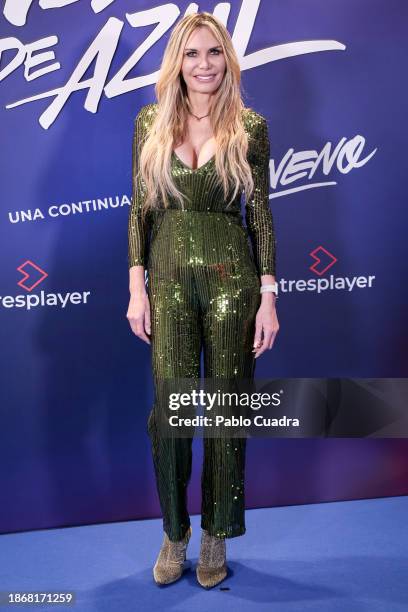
76 386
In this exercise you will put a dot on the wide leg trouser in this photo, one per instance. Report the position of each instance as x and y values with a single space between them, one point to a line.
193 307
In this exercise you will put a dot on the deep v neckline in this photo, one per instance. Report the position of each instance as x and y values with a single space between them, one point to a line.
189 167
199 167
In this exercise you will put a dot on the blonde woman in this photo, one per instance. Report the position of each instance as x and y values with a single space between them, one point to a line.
195 151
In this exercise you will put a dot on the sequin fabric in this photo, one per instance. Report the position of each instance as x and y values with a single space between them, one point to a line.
170 562
211 568
203 286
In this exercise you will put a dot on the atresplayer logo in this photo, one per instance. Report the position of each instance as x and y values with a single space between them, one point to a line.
320 254
33 275
323 261
27 275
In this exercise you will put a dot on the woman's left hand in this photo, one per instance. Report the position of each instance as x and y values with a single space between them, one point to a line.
266 325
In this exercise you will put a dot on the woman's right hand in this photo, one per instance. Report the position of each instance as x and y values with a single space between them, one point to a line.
138 315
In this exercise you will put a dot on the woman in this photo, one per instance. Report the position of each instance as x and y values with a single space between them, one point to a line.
194 152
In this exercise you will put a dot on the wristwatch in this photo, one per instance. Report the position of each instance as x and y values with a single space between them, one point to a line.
273 288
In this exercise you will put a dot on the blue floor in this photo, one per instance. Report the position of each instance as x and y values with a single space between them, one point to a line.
339 556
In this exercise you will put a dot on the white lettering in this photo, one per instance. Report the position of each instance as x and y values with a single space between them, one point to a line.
104 47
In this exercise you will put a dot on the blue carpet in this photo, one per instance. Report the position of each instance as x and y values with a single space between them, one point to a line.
339 556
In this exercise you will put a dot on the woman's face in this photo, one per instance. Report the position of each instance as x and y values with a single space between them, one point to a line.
203 57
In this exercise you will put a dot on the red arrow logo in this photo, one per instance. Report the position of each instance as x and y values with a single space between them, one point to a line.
317 255
26 275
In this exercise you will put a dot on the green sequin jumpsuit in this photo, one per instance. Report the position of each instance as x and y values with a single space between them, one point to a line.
203 288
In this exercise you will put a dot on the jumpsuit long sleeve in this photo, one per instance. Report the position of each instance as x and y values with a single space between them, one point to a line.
258 215
138 228
204 272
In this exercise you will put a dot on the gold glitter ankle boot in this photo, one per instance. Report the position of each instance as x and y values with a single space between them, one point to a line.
211 568
171 560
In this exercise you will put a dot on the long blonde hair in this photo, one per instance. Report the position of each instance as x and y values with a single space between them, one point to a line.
170 121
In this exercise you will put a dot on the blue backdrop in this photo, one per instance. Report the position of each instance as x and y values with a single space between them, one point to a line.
76 383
